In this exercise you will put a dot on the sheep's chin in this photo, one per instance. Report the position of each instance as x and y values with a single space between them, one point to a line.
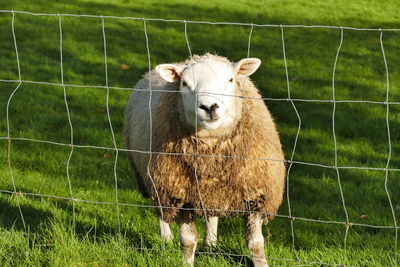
221 126
209 125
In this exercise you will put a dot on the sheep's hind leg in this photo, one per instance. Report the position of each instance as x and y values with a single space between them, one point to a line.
188 236
255 240
165 231
212 228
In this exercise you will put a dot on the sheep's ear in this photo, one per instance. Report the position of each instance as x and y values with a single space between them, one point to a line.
246 67
170 72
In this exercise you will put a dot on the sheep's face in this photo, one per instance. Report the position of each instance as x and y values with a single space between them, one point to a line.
208 88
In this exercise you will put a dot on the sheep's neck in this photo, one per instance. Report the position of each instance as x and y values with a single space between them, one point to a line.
172 136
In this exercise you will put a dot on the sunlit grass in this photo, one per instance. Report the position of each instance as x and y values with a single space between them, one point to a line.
39 112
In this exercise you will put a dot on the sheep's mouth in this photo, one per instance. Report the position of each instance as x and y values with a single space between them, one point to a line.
211 120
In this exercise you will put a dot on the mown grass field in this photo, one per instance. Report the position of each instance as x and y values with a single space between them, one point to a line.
38 112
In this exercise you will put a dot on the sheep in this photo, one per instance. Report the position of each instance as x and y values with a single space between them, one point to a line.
215 150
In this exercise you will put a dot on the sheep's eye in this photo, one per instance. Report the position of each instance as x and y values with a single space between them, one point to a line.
184 84
231 80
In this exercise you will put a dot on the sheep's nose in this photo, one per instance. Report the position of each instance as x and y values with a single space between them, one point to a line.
210 110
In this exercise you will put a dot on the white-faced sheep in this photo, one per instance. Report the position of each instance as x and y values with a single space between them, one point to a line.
211 143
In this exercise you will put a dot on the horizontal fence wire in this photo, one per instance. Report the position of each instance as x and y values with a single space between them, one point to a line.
200 154
208 93
72 145
199 22
194 209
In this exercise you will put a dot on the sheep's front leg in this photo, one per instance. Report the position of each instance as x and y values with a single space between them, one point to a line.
212 228
188 236
255 240
165 230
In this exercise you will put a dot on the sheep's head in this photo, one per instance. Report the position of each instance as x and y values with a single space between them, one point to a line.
207 88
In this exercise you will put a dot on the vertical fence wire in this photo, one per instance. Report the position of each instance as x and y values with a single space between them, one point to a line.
70 126
389 147
187 40
151 122
335 149
110 124
8 121
249 40
294 145
197 155
245 105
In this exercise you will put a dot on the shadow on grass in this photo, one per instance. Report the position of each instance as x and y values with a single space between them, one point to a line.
11 217
39 219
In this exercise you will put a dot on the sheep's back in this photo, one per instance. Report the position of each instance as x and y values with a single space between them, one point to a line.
140 110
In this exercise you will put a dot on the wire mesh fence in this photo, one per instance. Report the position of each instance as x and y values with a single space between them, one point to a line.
291 161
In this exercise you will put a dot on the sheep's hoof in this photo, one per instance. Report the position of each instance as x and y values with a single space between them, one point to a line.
211 243
188 261
167 237
165 231
260 263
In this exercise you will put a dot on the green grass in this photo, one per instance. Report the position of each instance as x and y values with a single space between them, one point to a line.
38 112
